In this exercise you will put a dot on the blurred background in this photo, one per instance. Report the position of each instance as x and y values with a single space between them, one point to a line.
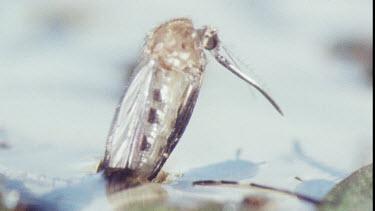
64 65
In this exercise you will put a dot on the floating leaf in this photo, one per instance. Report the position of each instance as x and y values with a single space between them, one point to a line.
353 193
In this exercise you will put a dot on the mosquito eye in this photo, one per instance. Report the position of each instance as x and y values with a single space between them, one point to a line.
210 40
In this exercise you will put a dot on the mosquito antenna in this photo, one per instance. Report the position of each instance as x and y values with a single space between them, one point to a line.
229 55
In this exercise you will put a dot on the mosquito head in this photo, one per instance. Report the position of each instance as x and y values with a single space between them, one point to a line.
210 41
209 38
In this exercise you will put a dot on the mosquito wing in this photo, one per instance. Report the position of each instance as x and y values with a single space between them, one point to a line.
183 117
130 117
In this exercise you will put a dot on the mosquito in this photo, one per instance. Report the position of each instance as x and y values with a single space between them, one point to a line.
156 108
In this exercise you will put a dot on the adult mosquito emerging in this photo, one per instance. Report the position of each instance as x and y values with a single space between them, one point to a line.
156 108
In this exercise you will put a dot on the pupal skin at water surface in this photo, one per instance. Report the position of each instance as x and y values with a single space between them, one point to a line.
156 108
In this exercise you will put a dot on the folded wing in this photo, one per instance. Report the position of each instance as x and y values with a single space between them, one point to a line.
130 117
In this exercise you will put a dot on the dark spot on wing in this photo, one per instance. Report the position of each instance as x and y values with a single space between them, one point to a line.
152 116
183 46
145 145
157 95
